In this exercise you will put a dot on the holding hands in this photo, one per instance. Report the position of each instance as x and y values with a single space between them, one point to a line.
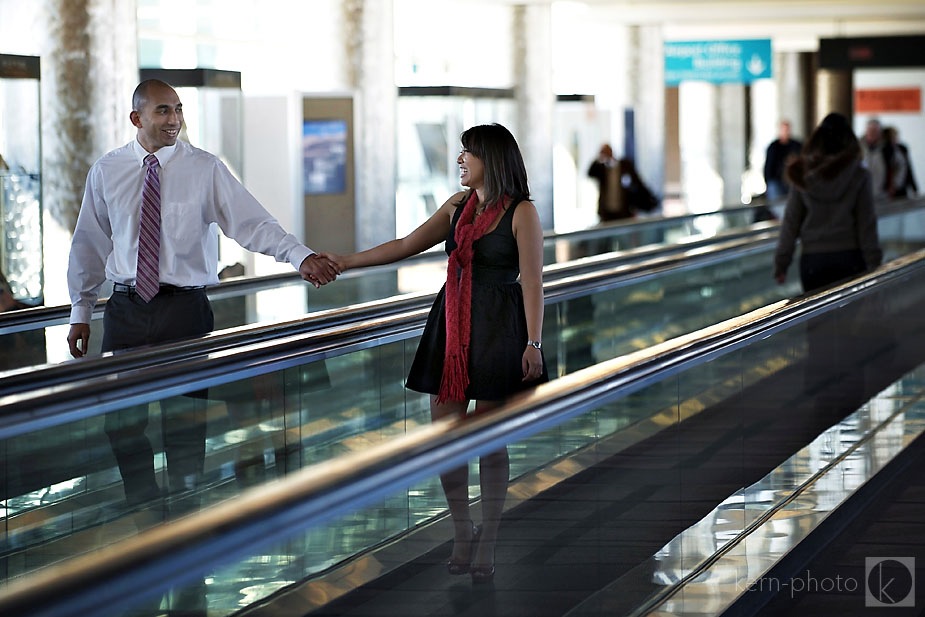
339 261
318 270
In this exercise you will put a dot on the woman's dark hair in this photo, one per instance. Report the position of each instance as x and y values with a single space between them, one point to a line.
830 148
833 136
505 172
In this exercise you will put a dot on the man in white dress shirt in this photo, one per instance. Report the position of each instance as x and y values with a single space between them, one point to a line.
196 190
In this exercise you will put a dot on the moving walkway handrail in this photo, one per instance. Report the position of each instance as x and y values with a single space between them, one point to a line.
42 316
15 380
55 394
31 398
179 551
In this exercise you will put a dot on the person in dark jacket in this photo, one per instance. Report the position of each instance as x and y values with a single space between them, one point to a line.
830 210
900 178
778 155
622 191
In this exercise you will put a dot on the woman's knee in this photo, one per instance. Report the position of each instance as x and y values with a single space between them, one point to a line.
447 408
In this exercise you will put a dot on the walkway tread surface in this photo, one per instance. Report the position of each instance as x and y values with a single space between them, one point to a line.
871 553
608 522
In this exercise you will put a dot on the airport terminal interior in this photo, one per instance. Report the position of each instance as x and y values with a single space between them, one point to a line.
711 441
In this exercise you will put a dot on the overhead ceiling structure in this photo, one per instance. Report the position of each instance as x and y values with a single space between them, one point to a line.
795 25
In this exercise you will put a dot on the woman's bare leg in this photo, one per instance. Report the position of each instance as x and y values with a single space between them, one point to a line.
494 474
456 488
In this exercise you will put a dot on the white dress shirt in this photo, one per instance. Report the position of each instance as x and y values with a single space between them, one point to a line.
197 192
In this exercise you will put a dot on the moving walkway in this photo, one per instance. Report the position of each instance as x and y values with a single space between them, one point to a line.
593 317
721 433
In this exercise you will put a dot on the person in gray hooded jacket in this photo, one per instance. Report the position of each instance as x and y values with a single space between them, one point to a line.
830 210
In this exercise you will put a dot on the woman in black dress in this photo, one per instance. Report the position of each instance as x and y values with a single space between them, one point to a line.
482 341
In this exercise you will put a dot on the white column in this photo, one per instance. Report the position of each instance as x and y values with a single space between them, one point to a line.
773 100
89 71
791 92
701 183
368 42
765 117
732 150
534 98
647 90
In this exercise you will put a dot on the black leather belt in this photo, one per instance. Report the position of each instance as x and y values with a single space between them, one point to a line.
167 290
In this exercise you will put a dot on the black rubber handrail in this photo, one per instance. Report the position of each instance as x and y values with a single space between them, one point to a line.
108 381
630 264
54 394
42 316
32 318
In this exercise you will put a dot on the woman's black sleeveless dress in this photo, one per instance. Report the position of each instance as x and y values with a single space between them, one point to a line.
499 324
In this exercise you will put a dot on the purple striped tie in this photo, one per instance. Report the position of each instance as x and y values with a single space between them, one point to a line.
147 278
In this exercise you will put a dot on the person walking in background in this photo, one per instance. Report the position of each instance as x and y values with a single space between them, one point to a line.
145 224
778 155
606 170
482 340
901 180
874 153
830 210
622 193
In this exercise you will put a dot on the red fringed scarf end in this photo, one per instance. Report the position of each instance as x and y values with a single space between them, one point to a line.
455 378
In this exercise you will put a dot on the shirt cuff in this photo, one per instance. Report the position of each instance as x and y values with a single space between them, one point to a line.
298 255
80 314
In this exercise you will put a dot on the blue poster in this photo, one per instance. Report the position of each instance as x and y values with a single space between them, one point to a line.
324 156
718 62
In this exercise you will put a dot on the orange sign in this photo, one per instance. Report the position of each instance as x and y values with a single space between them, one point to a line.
882 100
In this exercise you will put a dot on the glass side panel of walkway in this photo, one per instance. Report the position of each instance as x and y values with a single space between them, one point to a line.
63 494
36 336
599 492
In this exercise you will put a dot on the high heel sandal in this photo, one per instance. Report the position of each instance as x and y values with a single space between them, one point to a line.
457 568
482 575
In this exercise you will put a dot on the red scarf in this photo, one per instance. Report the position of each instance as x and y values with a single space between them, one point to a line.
459 299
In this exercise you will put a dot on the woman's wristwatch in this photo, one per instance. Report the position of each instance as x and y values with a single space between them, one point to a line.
535 344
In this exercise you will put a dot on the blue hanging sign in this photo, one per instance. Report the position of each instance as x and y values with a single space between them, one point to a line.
718 62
